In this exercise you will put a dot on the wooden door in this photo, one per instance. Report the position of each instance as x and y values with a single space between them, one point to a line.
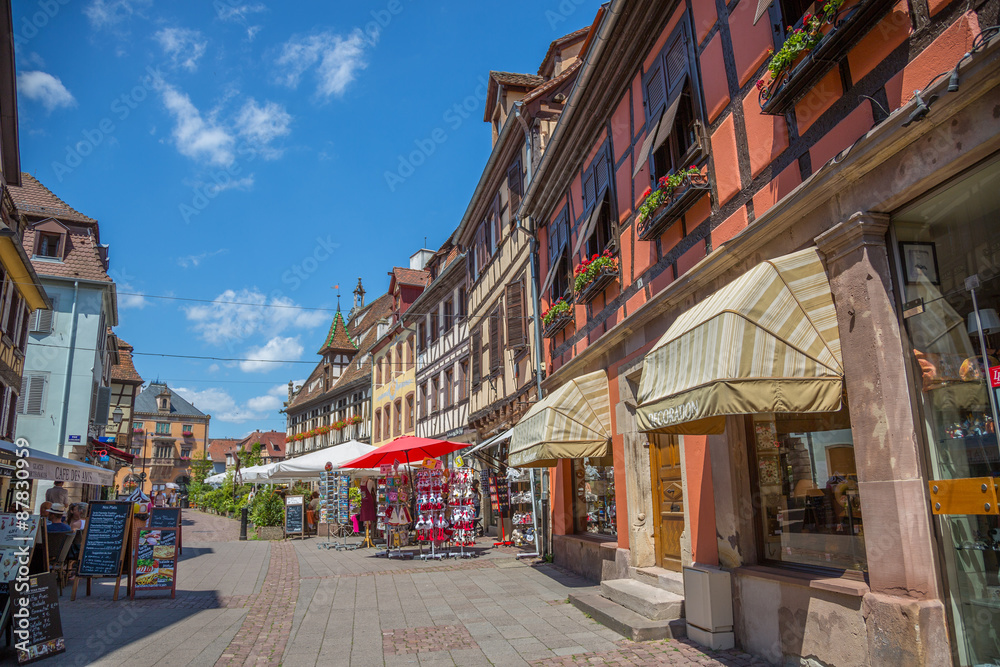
668 499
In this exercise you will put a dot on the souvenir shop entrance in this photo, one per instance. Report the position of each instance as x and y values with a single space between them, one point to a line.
668 494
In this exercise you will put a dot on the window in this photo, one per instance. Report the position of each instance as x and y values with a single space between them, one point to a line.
187 428
448 316
462 302
477 356
136 426
435 395
597 233
514 187
496 343
49 245
493 221
136 451
410 407
517 335
32 398
164 452
163 428
434 325
463 380
377 430
594 508
421 336
397 418
449 391
808 483
409 352
425 406
185 452
559 269
387 423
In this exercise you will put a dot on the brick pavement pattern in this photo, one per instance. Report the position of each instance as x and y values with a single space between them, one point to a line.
666 652
262 638
427 640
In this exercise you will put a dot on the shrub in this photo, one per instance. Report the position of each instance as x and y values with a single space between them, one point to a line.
267 509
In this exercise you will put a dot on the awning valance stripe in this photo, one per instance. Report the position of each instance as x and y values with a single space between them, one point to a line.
775 323
574 421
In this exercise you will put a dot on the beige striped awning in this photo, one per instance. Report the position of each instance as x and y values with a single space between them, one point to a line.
767 342
572 422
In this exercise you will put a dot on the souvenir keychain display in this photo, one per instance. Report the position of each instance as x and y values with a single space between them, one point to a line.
522 501
462 509
433 526
397 512
499 494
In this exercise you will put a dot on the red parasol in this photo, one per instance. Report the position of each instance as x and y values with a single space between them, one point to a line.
406 449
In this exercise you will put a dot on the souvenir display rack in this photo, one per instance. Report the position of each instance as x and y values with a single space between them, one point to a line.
522 502
499 494
433 526
462 510
396 515
335 508
600 500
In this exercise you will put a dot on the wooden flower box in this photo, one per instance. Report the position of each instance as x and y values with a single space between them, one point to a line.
665 215
605 277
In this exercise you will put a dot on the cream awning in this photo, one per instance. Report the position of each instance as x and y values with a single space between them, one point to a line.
767 342
572 422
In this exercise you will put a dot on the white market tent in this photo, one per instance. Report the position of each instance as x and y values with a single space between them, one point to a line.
251 475
310 465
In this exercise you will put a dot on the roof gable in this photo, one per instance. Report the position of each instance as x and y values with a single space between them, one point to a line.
145 402
339 339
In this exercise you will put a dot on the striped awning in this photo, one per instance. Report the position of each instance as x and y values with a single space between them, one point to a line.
572 422
767 342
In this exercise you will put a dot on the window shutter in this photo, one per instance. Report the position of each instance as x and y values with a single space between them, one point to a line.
589 191
655 89
676 62
514 186
477 357
32 390
103 405
497 227
495 347
515 315
41 321
601 175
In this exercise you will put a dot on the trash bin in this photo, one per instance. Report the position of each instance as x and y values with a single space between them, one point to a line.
184 503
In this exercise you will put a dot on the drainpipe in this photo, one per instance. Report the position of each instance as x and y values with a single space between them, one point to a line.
69 371
540 541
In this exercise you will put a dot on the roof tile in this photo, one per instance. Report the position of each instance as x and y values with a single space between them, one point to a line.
124 370
515 79
35 199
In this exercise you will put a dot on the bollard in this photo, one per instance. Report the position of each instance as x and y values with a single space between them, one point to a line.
243 524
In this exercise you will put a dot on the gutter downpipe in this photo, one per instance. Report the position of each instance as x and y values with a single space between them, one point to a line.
536 306
69 371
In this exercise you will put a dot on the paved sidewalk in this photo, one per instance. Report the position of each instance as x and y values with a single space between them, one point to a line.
293 603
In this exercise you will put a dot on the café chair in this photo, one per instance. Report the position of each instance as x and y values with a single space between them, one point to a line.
59 545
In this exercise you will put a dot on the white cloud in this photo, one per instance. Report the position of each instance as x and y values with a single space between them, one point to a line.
237 315
239 13
263 124
337 58
130 297
102 13
223 407
266 403
196 137
245 184
196 260
44 88
214 368
264 358
184 46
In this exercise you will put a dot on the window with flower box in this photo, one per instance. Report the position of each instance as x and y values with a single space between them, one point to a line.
812 37
557 283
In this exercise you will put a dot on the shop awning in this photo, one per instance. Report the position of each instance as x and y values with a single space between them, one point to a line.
495 440
767 342
572 422
112 451
309 466
42 465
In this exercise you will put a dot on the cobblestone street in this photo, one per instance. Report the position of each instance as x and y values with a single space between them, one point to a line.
292 603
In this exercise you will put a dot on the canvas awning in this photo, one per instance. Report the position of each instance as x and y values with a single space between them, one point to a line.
486 444
767 342
42 465
572 422
309 466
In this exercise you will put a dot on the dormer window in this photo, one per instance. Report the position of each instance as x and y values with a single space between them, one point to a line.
163 403
50 239
48 246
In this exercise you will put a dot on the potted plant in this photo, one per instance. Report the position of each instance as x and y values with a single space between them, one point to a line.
591 275
138 431
267 514
558 315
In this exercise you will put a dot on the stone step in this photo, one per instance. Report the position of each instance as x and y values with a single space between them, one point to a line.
668 580
652 602
625 621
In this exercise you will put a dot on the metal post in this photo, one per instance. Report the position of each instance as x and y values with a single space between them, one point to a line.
243 524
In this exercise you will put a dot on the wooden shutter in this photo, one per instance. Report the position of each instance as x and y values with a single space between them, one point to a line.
654 89
32 390
477 357
676 63
516 335
495 217
42 321
514 187
601 175
589 190
495 348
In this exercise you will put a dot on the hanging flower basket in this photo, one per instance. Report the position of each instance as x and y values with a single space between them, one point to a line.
138 431
356 419
675 193
187 434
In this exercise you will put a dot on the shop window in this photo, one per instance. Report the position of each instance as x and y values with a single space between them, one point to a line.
947 250
594 497
807 481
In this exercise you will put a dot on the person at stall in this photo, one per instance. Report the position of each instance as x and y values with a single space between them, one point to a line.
57 523
312 510
57 494
159 500
77 516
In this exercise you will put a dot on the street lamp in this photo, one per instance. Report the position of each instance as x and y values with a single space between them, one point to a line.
117 415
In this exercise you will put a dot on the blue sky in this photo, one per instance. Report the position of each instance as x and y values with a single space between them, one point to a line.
243 151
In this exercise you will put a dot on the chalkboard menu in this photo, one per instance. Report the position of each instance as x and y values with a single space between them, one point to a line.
154 559
104 540
37 624
15 535
294 515
165 517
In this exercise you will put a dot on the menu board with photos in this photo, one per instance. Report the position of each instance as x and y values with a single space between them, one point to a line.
154 559
40 605
294 515
104 541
